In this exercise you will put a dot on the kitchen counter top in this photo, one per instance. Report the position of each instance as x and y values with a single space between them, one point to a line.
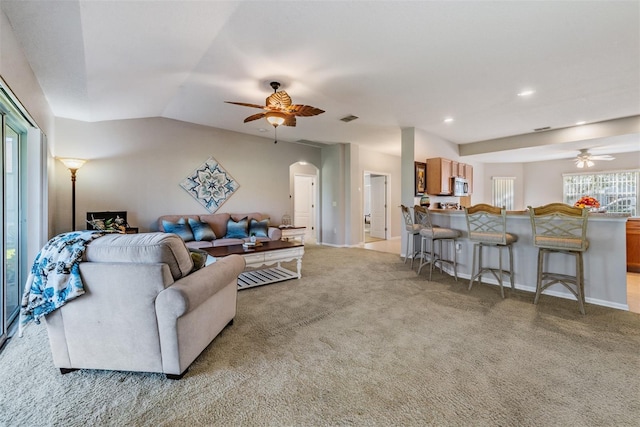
526 213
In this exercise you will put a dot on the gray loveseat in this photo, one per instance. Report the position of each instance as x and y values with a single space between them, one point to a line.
189 228
145 308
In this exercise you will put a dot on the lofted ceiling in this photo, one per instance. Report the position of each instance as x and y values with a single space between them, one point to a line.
393 64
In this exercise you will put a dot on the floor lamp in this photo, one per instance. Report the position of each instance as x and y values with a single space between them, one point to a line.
73 165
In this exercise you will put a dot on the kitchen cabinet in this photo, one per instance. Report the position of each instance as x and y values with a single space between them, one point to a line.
439 176
633 245
454 168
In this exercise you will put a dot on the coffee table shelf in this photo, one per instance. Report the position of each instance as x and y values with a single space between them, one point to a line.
264 276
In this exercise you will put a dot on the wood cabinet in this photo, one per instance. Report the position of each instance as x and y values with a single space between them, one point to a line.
633 245
440 171
438 176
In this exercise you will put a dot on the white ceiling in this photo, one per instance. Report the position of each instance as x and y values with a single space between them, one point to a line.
393 64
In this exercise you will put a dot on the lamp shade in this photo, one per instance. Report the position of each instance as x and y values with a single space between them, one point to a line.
73 164
275 118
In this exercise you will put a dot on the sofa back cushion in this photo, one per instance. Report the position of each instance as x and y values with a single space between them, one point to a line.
142 248
217 222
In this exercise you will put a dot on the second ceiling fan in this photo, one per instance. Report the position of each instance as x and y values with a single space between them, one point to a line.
586 159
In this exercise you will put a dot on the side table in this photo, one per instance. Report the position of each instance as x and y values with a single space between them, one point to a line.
293 232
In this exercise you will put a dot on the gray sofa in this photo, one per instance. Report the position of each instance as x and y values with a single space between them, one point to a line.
218 223
145 307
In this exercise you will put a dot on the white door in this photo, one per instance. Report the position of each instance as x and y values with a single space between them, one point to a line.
378 206
304 204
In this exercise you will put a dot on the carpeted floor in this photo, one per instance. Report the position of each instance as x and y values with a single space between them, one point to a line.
360 340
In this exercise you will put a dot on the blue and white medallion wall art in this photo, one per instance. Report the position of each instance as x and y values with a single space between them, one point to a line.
210 185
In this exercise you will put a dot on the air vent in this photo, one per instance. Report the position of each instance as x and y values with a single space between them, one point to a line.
349 118
541 129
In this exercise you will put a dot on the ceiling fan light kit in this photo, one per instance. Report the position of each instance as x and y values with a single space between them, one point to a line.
583 163
275 118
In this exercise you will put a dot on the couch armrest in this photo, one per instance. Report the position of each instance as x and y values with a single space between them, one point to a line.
275 233
193 310
189 292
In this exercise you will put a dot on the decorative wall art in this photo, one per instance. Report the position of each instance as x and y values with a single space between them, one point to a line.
421 178
210 185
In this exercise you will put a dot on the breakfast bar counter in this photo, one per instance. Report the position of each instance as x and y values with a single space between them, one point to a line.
604 262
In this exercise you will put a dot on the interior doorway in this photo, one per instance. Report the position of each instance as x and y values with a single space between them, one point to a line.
305 195
375 207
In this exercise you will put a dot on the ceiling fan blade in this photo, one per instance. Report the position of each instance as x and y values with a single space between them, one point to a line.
279 100
290 121
244 104
254 117
603 157
304 110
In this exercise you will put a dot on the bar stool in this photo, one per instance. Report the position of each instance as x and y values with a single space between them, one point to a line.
487 226
434 234
412 229
560 228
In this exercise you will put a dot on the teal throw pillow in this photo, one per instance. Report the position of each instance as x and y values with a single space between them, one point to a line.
259 228
237 230
181 228
201 230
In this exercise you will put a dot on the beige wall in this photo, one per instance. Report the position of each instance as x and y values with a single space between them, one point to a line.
137 166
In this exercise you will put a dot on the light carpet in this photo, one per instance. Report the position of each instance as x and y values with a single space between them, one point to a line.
360 340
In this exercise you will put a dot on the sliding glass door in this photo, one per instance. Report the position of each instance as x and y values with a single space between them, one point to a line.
12 273
13 234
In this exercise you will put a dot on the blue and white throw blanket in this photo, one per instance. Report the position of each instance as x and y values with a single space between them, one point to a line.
55 276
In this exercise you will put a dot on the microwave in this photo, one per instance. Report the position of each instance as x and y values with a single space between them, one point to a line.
459 186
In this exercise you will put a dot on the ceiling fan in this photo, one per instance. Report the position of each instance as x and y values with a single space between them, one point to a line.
279 110
586 159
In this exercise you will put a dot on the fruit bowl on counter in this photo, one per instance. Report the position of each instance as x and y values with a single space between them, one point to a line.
590 203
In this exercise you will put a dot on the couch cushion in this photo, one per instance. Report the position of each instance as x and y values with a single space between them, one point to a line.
201 230
180 227
217 222
200 244
237 229
259 228
142 248
253 215
227 242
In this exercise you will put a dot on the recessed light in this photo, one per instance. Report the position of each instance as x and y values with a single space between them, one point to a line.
448 120
527 92
580 123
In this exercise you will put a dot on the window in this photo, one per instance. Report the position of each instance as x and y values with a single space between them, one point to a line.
502 190
617 191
